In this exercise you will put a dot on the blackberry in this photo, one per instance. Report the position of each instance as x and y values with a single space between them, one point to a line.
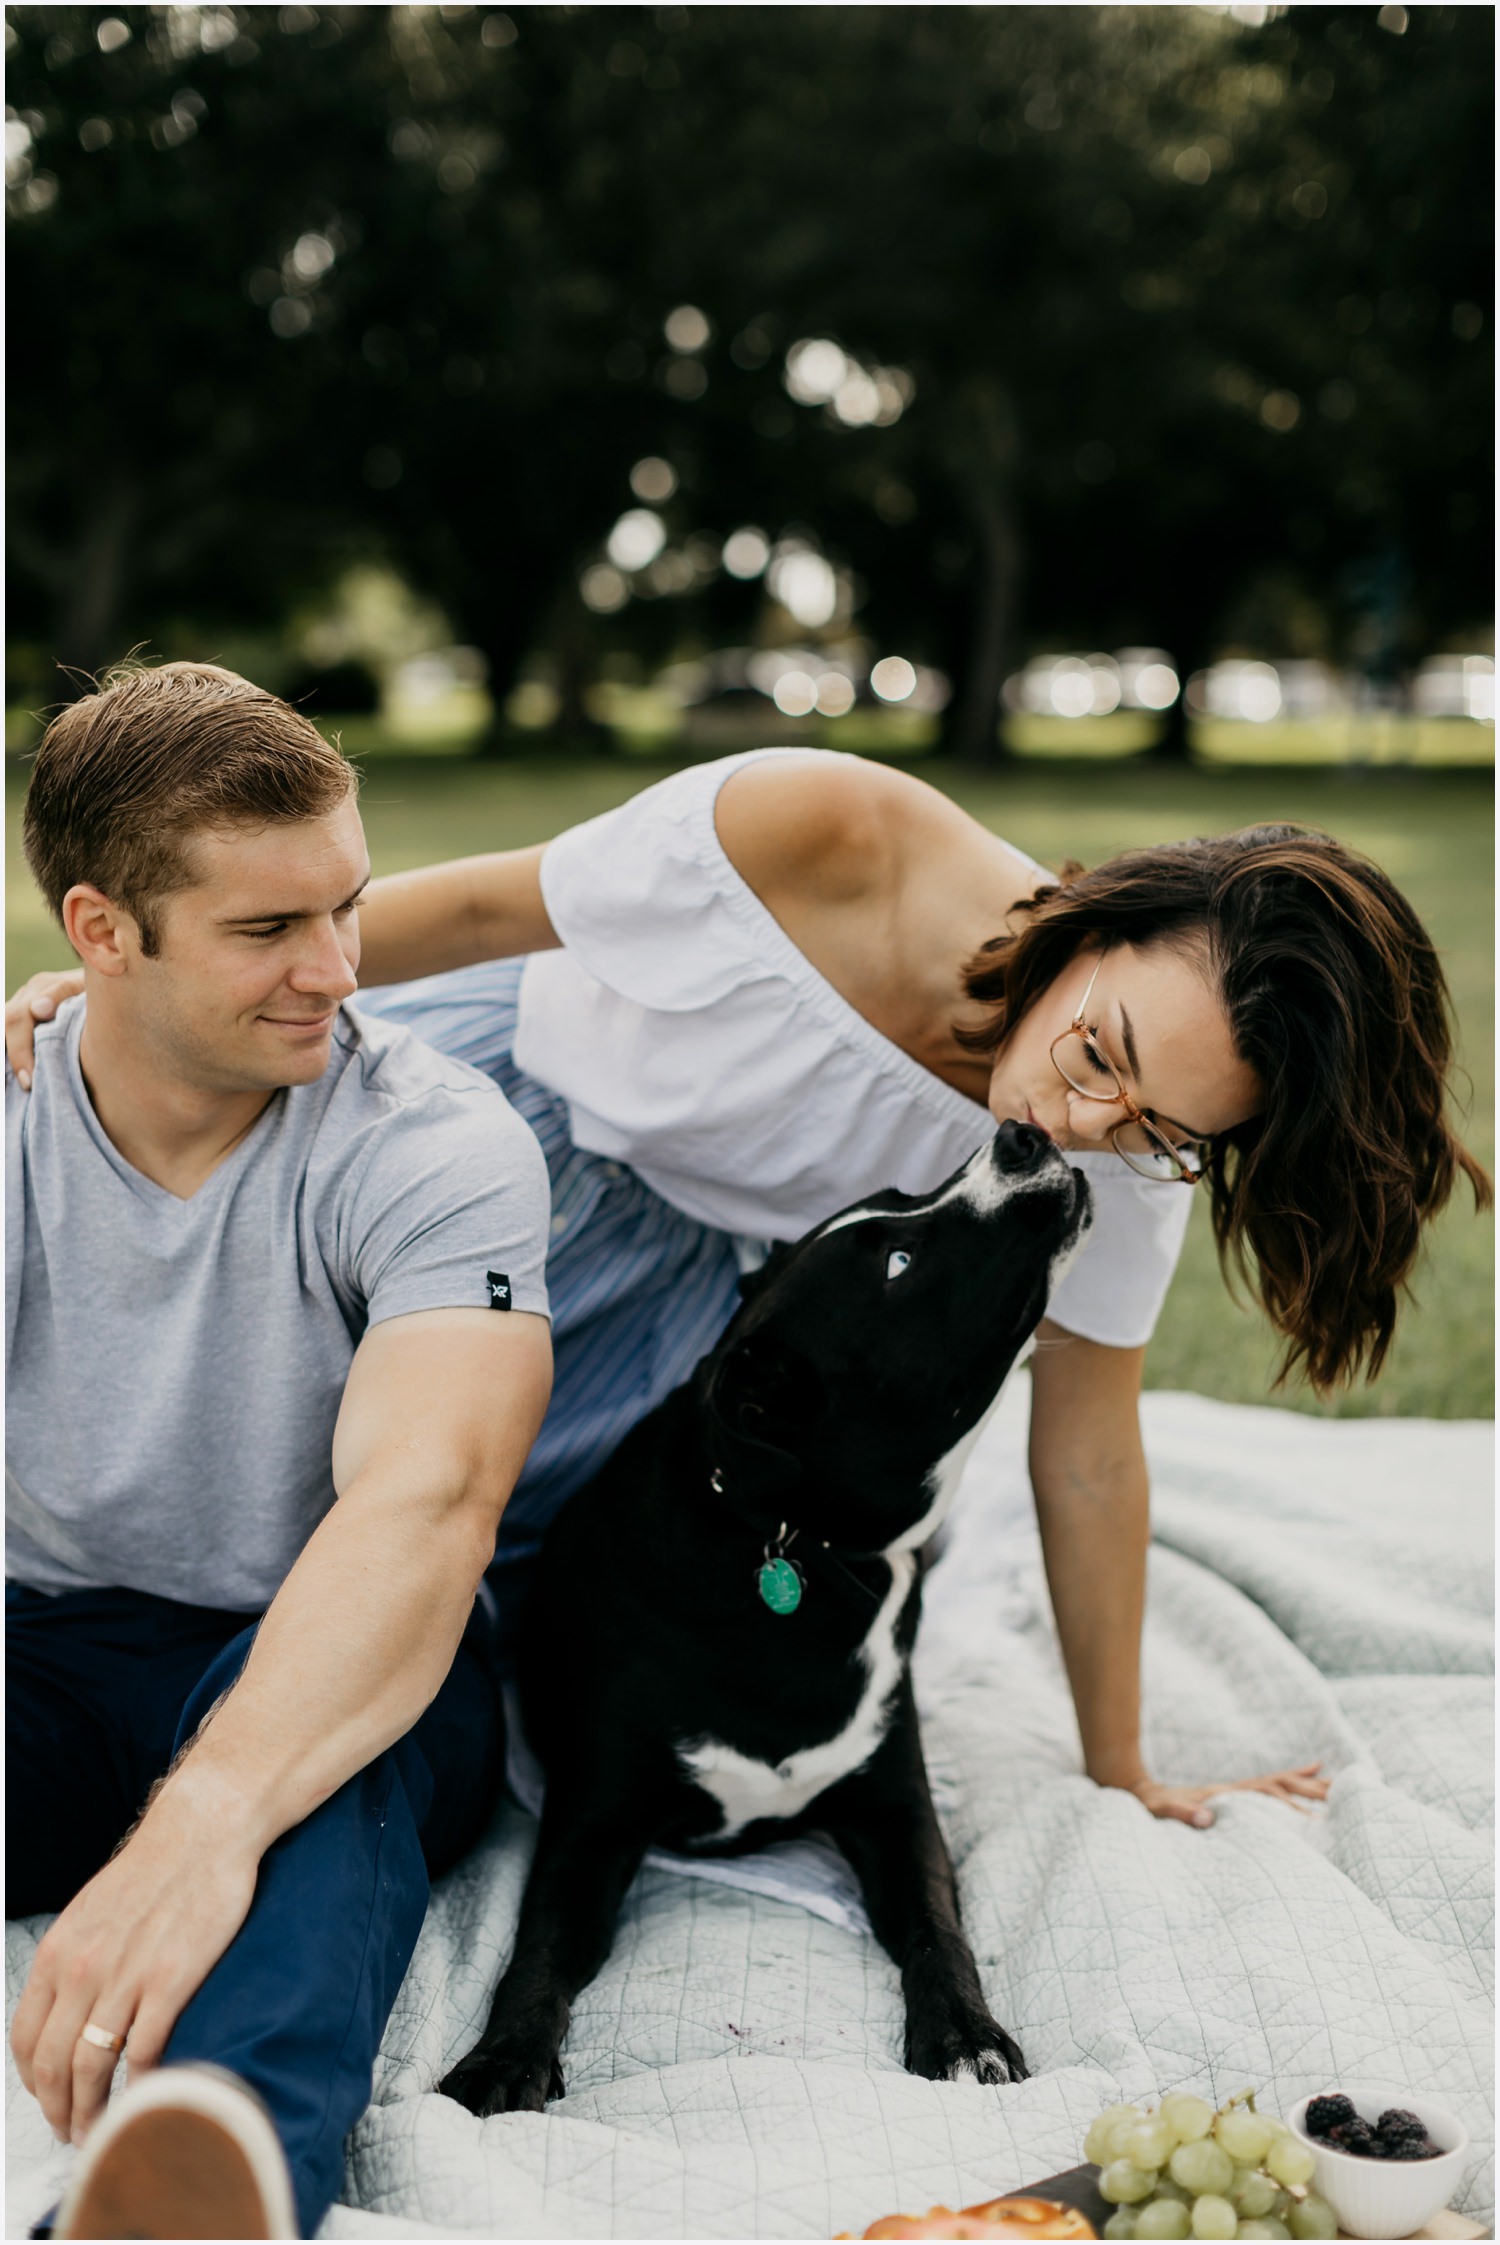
1354 2135
1328 2112
1398 2126
1413 2147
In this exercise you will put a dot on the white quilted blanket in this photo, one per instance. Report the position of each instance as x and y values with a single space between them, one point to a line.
1317 1589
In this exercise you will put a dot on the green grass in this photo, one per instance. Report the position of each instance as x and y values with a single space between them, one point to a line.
1433 832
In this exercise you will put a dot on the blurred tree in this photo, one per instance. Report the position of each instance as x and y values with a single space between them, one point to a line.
1183 301
171 191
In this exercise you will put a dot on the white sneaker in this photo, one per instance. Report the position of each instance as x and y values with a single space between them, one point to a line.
184 2151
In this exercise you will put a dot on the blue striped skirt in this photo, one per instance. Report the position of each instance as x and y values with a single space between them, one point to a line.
638 1291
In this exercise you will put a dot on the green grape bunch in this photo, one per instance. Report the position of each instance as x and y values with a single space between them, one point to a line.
1185 2170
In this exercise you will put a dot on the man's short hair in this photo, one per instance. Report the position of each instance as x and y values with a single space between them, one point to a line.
126 776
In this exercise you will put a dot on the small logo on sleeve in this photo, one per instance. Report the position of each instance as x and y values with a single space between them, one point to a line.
499 1286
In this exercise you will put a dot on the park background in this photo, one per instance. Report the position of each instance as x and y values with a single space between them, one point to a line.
1091 406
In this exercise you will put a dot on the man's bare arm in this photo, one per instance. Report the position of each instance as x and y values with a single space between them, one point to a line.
439 1413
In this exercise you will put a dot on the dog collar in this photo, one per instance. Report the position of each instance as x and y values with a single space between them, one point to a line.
779 1580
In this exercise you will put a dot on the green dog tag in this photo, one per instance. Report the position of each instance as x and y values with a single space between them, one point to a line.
780 1585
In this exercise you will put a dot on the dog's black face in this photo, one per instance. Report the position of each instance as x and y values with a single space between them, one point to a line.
863 1354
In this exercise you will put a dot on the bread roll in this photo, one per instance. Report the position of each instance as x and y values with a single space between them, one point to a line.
996 2218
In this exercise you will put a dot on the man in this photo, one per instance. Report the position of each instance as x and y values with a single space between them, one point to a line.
263 1421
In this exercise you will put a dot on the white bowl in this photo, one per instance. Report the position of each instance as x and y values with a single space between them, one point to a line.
1378 2197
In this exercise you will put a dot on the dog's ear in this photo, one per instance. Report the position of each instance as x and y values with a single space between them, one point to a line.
763 1395
767 1391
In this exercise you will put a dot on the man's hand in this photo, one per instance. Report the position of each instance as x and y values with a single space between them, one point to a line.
36 1000
130 1951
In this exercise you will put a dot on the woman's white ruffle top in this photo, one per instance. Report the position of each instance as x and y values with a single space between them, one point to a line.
692 1040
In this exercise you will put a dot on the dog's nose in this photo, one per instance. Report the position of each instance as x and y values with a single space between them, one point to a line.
1020 1146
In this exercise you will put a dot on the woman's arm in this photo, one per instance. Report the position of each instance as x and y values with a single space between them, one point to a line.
441 916
453 915
1088 1473
1093 1502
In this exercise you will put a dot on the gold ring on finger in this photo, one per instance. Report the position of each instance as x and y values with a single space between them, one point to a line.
101 2038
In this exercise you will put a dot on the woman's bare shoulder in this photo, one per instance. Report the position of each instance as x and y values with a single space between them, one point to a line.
833 828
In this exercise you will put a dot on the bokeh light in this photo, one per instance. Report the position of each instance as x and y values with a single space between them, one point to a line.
893 678
819 372
856 401
686 328
746 551
805 584
311 257
1070 689
1094 685
814 371
653 480
1456 686
672 572
835 694
684 378
604 589
1156 686
1246 690
636 539
1148 678
795 694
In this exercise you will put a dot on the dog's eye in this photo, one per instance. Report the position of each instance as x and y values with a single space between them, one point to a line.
896 1263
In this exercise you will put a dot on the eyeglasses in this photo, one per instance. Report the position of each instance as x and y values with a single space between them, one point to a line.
1138 1140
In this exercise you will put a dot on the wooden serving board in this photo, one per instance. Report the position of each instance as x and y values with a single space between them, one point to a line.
1079 2186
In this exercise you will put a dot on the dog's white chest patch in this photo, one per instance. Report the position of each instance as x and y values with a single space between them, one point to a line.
746 1789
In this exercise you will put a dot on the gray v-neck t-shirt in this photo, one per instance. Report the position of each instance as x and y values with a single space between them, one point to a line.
175 1367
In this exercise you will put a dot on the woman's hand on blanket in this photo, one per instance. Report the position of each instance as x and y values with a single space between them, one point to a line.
36 1000
127 1955
1189 1803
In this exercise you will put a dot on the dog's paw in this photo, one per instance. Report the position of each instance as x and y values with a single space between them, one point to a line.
990 2067
951 2049
503 2079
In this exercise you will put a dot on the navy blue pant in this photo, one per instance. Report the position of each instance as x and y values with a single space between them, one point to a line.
102 1687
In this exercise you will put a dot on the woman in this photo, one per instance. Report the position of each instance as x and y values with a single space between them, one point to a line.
767 986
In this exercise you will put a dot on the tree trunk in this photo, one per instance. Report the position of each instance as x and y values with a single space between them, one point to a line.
1174 746
88 621
501 631
505 639
973 731
980 451
575 652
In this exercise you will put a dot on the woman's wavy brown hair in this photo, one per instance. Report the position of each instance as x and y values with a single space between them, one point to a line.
1336 999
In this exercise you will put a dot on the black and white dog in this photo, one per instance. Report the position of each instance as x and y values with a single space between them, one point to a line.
717 1650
